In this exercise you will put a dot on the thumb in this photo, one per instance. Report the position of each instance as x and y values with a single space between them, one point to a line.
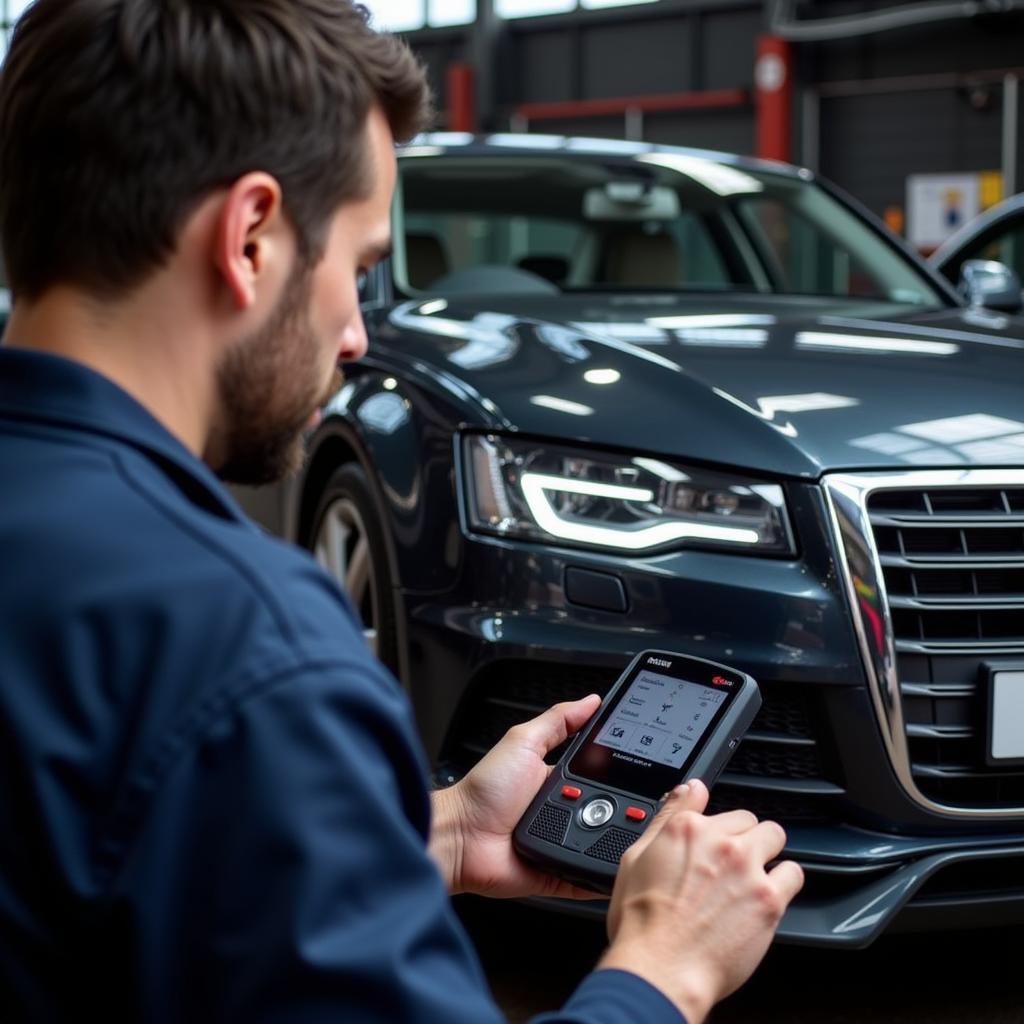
543 733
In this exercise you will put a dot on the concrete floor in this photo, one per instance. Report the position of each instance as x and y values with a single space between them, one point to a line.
534 958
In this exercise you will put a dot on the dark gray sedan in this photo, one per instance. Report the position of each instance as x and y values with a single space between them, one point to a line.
623 396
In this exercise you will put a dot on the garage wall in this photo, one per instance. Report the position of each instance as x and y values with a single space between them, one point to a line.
642 53
870 144
950 46
931 101
860 136
667 47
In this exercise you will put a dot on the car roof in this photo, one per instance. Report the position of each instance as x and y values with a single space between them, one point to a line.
513 144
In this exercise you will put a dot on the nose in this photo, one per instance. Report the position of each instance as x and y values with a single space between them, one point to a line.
354 341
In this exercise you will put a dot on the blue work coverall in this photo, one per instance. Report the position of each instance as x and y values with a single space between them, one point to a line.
213 803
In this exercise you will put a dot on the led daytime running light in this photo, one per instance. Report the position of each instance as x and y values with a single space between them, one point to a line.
535 484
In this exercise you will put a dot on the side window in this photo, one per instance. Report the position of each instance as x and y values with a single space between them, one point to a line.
801 256
1007 246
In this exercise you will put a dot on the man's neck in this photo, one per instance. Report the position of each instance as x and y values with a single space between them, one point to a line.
142 344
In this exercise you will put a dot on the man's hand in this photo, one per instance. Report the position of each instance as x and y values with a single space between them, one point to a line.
693 910
471 838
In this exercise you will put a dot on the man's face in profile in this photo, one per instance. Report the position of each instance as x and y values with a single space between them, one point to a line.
273 382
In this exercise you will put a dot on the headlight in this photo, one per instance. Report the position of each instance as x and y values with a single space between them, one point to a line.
558 494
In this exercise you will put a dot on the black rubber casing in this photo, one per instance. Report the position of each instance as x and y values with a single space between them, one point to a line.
552 832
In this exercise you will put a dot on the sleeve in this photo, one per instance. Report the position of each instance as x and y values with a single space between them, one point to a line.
278 874
281 874
614 997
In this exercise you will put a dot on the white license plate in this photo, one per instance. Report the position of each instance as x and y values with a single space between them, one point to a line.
1006 733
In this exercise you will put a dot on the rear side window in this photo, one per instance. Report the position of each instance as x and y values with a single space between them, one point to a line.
1006 246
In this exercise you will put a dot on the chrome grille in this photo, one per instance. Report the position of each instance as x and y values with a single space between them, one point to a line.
951 558
953 563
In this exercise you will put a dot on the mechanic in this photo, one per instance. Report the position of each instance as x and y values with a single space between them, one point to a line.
214 805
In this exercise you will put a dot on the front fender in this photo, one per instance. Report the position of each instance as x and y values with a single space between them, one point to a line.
402 437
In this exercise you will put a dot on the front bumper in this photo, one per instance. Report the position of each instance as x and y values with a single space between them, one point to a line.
859 884
865 888
508 641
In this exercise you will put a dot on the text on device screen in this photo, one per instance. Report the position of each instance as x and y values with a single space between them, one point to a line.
661 718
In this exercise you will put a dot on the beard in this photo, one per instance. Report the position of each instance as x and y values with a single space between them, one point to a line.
270 386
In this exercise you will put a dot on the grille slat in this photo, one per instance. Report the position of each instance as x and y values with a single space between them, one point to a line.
940 732
958 647
760 736
993 519
964 772
952 560
892 560
937 689
804 787
980 603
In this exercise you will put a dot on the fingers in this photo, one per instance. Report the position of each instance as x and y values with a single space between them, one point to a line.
765 840
788 878
690 796
734 823
545 732
768 840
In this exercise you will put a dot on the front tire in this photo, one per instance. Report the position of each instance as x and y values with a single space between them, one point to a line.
347 541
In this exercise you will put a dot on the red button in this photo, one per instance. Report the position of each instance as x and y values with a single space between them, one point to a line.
636 813
571 792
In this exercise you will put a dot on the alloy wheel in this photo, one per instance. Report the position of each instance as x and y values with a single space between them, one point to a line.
342 548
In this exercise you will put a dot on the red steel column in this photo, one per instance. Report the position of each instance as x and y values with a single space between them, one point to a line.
461 98
773 79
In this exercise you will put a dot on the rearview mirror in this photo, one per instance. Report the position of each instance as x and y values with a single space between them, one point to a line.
630 201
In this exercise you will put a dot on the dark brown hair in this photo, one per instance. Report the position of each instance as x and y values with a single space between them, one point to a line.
118 116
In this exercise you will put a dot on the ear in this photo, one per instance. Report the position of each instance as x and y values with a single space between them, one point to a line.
248 234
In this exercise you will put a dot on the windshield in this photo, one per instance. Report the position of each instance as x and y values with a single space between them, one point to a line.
658 221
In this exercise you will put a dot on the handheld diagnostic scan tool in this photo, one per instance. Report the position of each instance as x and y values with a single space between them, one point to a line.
668 718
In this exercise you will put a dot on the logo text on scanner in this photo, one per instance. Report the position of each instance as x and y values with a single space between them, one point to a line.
659 661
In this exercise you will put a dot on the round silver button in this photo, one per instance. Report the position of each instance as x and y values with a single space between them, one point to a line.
598 812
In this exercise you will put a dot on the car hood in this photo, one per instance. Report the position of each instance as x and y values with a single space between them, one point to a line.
787 385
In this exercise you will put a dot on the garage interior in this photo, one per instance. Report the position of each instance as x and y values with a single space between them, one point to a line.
913 110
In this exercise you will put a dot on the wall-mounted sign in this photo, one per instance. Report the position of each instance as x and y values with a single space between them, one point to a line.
939 204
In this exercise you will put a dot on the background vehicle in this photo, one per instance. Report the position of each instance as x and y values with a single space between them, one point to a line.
621 396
